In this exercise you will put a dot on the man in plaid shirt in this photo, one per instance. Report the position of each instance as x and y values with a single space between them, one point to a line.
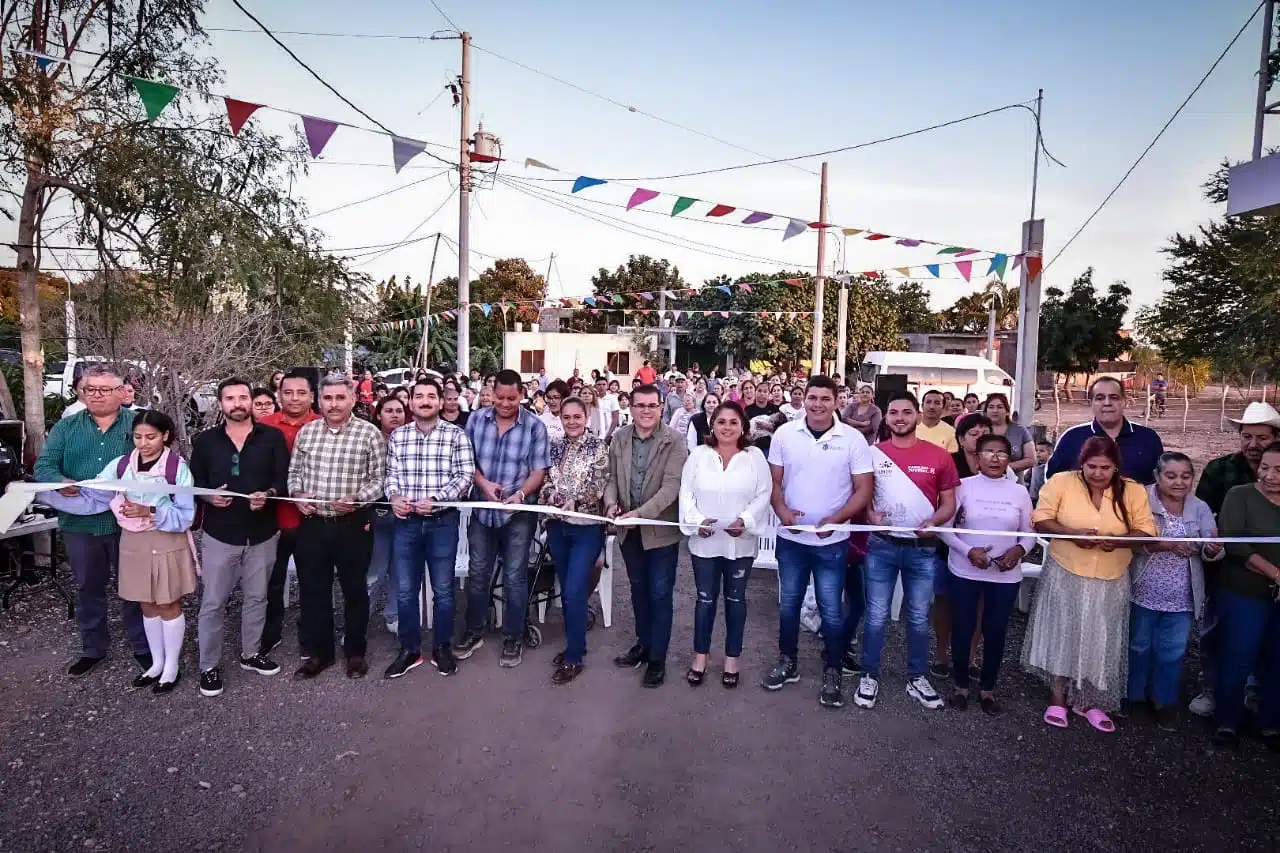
428 460
512 458
340 461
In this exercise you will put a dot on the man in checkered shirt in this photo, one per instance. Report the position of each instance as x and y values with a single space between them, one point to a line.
341 461
512 458
428 460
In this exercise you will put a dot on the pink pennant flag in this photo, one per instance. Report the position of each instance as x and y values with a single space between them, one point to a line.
964 252
744 287
966 268
724 314
764 315
1017 261
318 131
640 196
794 227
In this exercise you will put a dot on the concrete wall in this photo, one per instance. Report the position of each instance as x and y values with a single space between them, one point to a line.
563 352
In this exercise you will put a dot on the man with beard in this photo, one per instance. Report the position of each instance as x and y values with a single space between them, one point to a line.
240 534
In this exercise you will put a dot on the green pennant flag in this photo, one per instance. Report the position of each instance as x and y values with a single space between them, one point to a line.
682 204
155 96
951 250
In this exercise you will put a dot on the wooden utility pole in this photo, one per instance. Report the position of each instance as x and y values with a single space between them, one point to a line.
818 280
464 211
426 320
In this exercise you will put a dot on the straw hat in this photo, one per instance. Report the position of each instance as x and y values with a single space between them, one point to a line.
1258 413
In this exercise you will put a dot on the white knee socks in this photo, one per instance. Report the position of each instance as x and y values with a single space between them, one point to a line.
174 629
155 642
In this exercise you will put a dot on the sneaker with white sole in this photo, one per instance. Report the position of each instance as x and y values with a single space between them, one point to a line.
867 692
1203 705
393 626
211 682
922 691
260 664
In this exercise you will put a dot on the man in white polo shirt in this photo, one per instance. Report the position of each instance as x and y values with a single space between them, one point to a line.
821 475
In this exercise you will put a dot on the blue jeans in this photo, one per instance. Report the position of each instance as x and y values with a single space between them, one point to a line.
510 541
652 574
575 549
708 574
916 563
431 542
1250 638
382 566
855 600
797 562
1157 642
999 599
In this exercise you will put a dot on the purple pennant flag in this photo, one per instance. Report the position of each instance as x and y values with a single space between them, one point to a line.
403 150
318 131
907 241
756 218
725 288
794 227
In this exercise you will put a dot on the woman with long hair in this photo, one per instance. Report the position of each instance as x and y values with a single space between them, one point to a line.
999 411
595 415
725 489
700 424
575 482
1078 633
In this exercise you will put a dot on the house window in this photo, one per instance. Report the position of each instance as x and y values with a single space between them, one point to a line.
954 352
532 360
619 363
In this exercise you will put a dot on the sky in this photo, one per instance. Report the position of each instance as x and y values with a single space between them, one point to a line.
765 78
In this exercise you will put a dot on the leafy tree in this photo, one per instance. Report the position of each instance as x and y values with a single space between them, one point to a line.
968 315
509 280
910 302
640 274
1223 300
1079 328
195 218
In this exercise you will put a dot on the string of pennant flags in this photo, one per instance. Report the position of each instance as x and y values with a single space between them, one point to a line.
157 95
674 314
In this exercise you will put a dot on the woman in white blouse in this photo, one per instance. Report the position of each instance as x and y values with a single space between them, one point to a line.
724 506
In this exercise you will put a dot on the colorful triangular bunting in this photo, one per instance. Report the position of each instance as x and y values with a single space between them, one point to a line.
238 113
155 96
582 182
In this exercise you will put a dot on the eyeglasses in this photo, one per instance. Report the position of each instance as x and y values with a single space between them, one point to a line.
91 391
646 407
999 455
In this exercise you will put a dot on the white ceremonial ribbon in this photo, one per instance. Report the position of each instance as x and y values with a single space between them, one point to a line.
19 496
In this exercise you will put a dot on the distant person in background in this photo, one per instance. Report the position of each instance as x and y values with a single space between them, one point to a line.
931 427
842 399
675 397
543 382
700 424
864 415
1159 388
1044 449
273 384
998 410
971 403
364 389
955 408
761 405
794 407
680 420
77 387
624 409
264 403
451 408
557 393
483 401
1139 446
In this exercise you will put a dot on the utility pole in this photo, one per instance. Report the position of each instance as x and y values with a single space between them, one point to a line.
991 329
842 314
550 263
1029 301
1264 78
426 320
818 280
464 211
662 322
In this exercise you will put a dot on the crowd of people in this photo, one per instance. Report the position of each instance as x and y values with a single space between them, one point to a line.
957 487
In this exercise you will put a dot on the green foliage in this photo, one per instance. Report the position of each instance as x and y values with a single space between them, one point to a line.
1223 300
910 301
54 405
640 274
1079 328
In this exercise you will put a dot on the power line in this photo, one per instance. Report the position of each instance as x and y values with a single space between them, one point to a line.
408 237
314 33
383 194
308 68
1158 135
445 15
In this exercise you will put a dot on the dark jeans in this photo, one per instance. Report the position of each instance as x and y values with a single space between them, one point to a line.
708 574
575 549
998 601
342 545
916 562
826 564
273 630
425 544
511 542
95 560
1250 638
652 574
855 599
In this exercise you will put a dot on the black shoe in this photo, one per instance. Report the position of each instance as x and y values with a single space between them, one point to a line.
695 676
851 665
830 696
211 682
959 701
260 664
83 665
1226 739
1270 739
654 674
1166 718
990 706
512 652
145 660
785 671
442 660
162 687
940 669
632 657
566 672
471 641
404 662
144 681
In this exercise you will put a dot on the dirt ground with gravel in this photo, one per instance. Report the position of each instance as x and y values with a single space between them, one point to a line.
499 759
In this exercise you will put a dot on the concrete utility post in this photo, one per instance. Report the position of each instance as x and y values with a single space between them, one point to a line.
464 212
1029 295
819 280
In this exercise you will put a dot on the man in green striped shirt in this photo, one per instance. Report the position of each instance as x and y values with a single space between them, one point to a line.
78 448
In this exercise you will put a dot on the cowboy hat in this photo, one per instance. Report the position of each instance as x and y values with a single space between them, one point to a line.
1258 413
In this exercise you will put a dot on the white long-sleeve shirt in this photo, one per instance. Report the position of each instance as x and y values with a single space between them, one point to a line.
983 503
709 490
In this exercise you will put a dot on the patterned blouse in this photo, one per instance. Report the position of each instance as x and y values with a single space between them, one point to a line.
1165 585
576 480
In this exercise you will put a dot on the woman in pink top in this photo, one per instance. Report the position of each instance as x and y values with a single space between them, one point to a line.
986 568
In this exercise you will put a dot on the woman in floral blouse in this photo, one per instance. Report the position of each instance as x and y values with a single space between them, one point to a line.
575 482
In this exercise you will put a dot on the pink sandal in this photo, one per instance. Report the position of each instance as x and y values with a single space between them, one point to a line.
1056 716
1098 719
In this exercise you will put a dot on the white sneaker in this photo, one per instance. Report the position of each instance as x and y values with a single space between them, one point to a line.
922 691
393 626
1203 705
868 691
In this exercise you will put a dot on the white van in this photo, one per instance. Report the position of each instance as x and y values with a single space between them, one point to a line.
927 371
